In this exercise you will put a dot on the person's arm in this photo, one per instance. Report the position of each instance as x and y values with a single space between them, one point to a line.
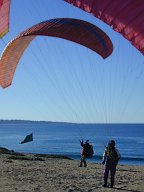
104 157
81 143
118 155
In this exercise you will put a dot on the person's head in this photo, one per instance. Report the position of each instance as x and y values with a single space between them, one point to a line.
111 143
87 141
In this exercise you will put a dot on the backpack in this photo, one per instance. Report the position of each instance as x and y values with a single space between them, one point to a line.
112 156
88 150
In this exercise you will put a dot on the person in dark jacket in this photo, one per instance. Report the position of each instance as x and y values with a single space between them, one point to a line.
86 150
111 157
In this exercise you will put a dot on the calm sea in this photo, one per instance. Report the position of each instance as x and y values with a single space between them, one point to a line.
63 138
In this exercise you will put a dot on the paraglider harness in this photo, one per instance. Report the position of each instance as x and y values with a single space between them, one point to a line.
111 155
87 149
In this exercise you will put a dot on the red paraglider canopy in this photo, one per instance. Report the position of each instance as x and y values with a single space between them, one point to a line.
124 16
78 31
4 17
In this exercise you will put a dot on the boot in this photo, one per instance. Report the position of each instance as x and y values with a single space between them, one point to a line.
111 186
105 185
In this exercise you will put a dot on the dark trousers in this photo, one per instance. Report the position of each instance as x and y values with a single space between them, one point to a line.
112 170
83 161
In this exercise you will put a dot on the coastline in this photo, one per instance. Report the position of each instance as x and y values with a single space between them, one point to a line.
123 161
55 173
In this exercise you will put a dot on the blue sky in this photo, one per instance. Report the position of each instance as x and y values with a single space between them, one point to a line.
58 80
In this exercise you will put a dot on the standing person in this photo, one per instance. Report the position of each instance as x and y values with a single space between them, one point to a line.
87 152
111 157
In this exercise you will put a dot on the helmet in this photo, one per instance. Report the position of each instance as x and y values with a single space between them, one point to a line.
112 143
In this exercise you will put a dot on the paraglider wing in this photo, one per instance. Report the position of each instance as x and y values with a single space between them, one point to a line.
4 17
78 31
125 17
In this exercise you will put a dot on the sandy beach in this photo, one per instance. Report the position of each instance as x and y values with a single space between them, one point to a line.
31 173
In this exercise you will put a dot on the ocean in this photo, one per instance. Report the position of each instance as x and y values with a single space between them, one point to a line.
64 139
